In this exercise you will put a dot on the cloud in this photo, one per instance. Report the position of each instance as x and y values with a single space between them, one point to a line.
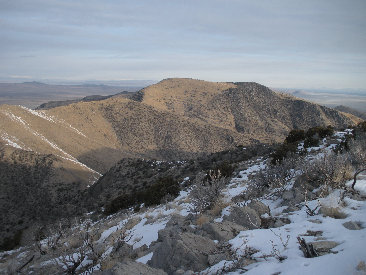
214 39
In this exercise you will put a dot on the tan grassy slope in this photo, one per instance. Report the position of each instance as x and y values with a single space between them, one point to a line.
247 108
175 118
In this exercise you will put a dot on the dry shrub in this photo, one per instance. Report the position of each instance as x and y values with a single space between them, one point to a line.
328 172
361 266
206 192
333 212
217 207
202 219
75 241
131 223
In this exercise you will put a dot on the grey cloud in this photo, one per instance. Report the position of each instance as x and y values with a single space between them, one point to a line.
197 37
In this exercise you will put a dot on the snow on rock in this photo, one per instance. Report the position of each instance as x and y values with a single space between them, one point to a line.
282 242
144 233
145 258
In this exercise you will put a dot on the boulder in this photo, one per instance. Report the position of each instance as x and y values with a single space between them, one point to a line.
288 195
177 224
216 258
324 247
259 207
295 196
244 216
352 225
185 251
270 222
223 231
132 267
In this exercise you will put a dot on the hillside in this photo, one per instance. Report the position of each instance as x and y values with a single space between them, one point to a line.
298 216
174 120
246 108
350 110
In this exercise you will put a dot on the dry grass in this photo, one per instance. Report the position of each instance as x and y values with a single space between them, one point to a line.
217 208
131 223
202 219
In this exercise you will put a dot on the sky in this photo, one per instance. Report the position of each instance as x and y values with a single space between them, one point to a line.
283 43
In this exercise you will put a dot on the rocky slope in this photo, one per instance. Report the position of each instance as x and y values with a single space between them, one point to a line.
297 222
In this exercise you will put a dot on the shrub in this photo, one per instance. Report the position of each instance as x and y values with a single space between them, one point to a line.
320 131
311 141
330 171
223 169
162 188
361 126
152 195
121 202
10 243
282 152
205 193
295 135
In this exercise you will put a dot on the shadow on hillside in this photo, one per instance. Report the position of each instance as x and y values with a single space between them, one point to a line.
36 194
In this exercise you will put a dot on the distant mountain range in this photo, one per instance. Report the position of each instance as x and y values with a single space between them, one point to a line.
32 94
352 98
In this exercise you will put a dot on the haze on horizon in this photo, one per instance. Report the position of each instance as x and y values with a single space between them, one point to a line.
287 43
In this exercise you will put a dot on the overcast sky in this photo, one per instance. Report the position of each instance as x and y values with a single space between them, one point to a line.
284 43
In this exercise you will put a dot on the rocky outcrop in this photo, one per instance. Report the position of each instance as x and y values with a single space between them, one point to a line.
185 251
223 231
132 267
244 216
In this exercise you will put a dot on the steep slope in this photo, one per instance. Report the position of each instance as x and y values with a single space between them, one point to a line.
351 111
36 188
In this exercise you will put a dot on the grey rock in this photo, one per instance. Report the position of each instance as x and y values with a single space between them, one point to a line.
177 224
131 267
121 250
185 251
216 258
315 221
352 225
259 207
244 216
278 223
324 247
291 208
288 195
295 196
223 231
140 251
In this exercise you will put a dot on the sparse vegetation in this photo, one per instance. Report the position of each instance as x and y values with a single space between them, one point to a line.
152 195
